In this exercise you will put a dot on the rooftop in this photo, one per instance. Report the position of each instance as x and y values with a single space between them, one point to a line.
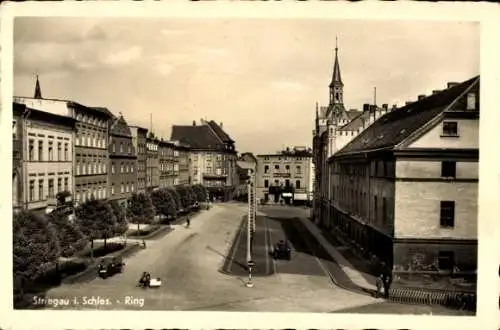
208 135
395 126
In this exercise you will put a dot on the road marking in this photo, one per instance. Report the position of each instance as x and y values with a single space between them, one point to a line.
266 242
273 260
236 245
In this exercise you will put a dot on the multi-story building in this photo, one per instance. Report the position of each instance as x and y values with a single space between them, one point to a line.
181 163
18 113
247 166
139 137
90 142
166 161
122 177
212 156
406 187
46 166
285 177
334 128
152 163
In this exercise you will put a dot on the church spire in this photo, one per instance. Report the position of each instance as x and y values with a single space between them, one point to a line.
38 90
336 86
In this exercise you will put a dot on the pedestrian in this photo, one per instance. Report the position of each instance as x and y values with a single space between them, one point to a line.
379 283
188 221
387 283
143 244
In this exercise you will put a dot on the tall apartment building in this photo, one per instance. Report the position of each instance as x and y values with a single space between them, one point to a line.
166 163
290 171
122 177
406 187
152 163
212 155
181 163
43 150
139 137
90 142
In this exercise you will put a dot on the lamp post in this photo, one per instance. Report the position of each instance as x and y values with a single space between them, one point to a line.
250 227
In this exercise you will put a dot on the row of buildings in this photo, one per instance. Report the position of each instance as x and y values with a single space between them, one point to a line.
401 182
61 145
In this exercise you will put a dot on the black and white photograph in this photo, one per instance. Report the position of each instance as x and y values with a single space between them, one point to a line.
245 164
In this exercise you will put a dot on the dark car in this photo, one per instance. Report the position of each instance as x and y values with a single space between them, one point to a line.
282 250
110 266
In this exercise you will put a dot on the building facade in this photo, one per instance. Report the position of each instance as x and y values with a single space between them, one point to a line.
152 163
181 163
285 177
139 137
406 187
18 113
122 177
213 156
90 143
45 163
166 162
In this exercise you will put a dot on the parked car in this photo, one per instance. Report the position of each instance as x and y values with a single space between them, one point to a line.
282 251
110 266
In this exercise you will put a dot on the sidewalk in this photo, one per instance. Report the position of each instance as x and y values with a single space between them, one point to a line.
354 275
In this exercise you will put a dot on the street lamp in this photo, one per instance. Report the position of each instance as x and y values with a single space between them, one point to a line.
250 226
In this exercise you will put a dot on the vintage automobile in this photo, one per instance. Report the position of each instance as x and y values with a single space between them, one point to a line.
282 251
110 266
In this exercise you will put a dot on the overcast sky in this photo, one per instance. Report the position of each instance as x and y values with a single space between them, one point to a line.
261 78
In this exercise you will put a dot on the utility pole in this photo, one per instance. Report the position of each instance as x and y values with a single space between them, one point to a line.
252 207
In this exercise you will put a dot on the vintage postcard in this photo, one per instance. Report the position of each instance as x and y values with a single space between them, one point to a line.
298 166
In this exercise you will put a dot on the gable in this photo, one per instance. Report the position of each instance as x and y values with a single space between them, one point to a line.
468 135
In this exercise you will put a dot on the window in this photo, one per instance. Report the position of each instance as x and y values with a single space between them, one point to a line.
276 182
287 183
66 184
40 190
299 169
276 167
66 154
59 151
122 188
14 129
32 190
287 167
471 101
446 260
31 150
51 188
113 189
450 128
448 169
40 151
51 151
447 214
121 147
59 184
266 183
95 168
113 168
375 208
89 168
122 168
297 184
266 169
113 149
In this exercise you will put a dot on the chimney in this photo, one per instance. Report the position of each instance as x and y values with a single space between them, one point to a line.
194 122
435 91
366 107
394 106
421 96
451 84
221 125
385 106
408 102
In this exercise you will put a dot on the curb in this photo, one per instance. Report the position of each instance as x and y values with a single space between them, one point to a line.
163 229
91 271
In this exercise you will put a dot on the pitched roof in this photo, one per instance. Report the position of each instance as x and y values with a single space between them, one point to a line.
120 127
336 78
220 132
395 126
198 137
322 111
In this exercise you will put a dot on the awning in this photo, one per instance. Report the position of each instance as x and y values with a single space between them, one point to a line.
300 197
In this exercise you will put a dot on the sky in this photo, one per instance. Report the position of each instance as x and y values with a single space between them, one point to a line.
261 78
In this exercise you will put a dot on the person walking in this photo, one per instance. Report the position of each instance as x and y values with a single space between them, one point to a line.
379 283
188 221
387 283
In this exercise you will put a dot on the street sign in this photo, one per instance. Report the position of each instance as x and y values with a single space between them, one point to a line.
251 263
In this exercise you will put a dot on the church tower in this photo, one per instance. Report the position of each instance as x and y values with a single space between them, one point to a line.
38 90
336 86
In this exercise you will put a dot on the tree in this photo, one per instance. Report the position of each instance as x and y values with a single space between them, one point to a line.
35 245
61 198
140 210
121 219
163 202
201 192
70 237
96 220
176 198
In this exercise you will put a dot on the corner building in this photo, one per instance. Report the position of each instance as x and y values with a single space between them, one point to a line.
405 189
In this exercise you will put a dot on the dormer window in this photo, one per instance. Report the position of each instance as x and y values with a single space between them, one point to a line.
471 101
450 128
